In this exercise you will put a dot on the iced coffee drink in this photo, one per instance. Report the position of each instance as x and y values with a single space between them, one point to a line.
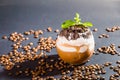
75 44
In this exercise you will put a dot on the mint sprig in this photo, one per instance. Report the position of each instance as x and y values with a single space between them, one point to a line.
76 21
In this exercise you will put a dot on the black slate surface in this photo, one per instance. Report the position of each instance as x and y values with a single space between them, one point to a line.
23 15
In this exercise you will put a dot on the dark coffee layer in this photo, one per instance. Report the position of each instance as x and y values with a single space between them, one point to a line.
75 32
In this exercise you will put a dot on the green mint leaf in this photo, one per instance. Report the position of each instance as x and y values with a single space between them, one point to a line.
77 18
77 15
76 21
87 24
67 24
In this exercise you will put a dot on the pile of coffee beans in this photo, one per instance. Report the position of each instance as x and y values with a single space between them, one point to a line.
111 49
116 69
90 72
83 72
104 36
21 53
114 28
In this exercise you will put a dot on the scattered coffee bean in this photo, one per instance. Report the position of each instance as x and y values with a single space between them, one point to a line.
31 44
100 36
107 64
95 30
108 29
4 37
103 36
103 71
111 49
116 75
31 31
111 67
49 29
118 62
119 46
114 28
27 33
57 30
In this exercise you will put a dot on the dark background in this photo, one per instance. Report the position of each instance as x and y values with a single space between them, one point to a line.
23 15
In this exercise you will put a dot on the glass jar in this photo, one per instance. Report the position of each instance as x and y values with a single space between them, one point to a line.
76 51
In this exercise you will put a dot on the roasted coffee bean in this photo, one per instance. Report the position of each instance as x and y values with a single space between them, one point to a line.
95 29
4 37
107 64
76 36
100 36
103 71
111 67
49 29
119 46
116 75
93 76
27 33
57 30
118 62
102 78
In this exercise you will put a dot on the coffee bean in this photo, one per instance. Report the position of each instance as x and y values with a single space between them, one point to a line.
111 67
4 37
49 29
76 36
95 29
116 75
118 62
57 30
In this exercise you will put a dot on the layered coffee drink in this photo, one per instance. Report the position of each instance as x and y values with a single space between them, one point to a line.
75 44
